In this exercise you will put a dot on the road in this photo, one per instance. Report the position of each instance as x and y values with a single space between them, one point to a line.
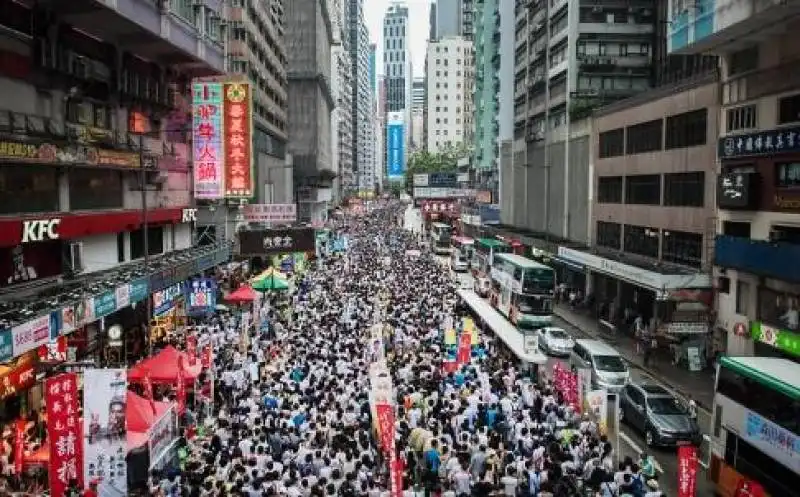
631 442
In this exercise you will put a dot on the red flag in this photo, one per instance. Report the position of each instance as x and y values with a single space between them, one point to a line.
464 348
180 393
748 488
64 432
191 349
385 427
19 445
687 471
398 465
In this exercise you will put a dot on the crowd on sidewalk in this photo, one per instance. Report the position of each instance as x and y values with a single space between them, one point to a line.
292 413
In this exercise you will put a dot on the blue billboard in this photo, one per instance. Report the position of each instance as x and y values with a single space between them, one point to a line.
395 150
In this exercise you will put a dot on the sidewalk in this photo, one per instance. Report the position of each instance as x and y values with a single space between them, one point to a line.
696 385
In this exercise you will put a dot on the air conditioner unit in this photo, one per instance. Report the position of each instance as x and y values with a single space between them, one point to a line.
76 257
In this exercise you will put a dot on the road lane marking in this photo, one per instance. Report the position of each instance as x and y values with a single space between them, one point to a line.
625 438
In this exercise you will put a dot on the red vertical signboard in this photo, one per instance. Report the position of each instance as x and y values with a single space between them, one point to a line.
191 349
19 445
687 471
464 348
237 108
180 393
63 433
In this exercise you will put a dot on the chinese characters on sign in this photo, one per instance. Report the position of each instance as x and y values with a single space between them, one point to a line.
238 141
437 207
105 430
270 213
276 241
763 142
687 471
201 295
63 432
207 139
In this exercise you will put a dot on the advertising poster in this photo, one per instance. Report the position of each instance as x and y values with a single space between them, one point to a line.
201 296
161 435
395 146
67 320
30 335
238 140
597 400
687 471
207 134
104 430
270 213
464 348
63 431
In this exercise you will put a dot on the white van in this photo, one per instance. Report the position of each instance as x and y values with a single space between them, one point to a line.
609 371
458 262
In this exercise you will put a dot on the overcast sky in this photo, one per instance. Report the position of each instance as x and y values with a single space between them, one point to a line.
374 10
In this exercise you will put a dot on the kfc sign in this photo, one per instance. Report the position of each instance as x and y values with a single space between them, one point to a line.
189 216
39 230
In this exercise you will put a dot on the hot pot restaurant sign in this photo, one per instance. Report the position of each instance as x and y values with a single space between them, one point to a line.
238 140
207 136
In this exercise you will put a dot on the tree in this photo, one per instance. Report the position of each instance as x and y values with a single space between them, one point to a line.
424 162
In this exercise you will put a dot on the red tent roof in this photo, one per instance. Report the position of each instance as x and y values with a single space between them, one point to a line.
140 417
242 294
163 367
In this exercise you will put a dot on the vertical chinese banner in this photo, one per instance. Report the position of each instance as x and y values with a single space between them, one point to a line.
397 466
63 431
385 423
19 445
180 393
464 348
687 471
207 139
191 349
238 140
105 431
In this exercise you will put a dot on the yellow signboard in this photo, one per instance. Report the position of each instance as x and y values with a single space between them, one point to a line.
469 327
450 337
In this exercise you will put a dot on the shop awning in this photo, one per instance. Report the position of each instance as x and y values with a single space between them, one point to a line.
164 367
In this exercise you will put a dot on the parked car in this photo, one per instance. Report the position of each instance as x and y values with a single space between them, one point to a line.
608 370
654 411
555 341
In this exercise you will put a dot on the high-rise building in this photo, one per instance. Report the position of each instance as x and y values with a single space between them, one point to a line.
363 103
397 66
310 105
447 18
417 114
373 69
342 86
450 72
97 210
494 87
417 95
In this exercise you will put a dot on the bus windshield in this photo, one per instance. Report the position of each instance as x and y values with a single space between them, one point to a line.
536 280
534 304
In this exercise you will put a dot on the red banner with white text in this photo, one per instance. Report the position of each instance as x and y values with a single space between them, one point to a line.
687 471
749 488
566 382
63 433
385 427
191 349
464 348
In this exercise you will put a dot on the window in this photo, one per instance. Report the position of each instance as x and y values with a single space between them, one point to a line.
685 189
742 298
609 235
641 240
612 143
787 174
643 189
121 247
752 463
687 130
743 61
609 189
779 308
155 242
789 109
742 118
644 137
28 189
681 247
734 228
95 189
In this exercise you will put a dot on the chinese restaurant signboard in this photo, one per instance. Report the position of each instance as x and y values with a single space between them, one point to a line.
238 141
775 141
276 241
48 153
207 139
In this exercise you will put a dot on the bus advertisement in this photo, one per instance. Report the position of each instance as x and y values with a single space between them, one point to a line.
440 238
523 290
755 427
482 257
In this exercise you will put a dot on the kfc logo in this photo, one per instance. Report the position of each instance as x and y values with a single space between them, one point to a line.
39 230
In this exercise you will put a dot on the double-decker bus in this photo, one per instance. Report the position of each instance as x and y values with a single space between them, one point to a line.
441 234
523 290
755 426
482 257
461 256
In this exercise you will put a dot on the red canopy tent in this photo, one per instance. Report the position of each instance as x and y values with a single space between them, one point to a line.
242 294
141 415
163 367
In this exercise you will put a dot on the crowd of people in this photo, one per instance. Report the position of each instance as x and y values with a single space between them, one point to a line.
292 413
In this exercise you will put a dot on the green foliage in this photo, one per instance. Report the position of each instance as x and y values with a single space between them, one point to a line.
423 162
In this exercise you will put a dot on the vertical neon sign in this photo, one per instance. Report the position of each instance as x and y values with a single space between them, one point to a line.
207 133
238 141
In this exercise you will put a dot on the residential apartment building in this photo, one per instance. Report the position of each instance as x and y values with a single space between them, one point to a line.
342 140
758 242
448 98
397 66
97 178
493 92
363 108
451 18
418 113
309 36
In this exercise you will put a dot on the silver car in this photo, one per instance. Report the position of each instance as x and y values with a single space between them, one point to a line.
663 419
555 341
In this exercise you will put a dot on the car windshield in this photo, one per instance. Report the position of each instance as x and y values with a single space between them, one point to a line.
665 405
558 334
610 364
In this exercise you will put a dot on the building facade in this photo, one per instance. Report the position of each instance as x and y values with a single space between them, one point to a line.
309 36
362 112
97 204
448 98
418 113
757 245
342 141
397 65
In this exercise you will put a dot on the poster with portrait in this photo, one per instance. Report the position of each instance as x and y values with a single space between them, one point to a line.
104 430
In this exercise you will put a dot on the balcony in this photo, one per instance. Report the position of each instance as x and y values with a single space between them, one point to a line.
763 258
604 28
721 26
148 29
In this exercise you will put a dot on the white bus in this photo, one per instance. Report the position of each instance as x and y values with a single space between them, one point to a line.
523 290
755 427
440 238
460 258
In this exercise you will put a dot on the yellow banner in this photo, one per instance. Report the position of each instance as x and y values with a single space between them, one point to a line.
450 337
469 327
